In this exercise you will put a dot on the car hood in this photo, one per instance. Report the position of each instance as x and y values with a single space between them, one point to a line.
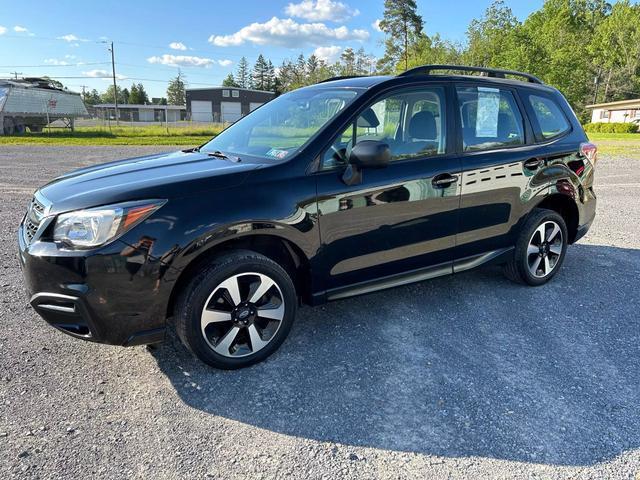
167 175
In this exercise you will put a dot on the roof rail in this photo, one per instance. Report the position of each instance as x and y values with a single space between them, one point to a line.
340 77
491 72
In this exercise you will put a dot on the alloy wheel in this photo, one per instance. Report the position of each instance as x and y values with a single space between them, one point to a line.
544 249
242 314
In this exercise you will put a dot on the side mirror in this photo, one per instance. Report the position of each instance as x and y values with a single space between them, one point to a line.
370 154
365 154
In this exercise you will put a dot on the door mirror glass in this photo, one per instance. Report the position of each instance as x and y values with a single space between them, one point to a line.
370 154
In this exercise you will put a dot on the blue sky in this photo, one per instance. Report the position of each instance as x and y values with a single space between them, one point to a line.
205 39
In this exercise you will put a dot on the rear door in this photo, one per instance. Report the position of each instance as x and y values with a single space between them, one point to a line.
400 219
499 167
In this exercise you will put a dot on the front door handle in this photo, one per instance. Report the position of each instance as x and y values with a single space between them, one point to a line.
444 180
533 163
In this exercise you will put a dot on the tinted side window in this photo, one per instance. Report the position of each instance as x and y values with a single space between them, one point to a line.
550 118
490 118
412 123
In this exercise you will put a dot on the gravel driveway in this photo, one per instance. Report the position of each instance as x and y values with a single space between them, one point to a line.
467 376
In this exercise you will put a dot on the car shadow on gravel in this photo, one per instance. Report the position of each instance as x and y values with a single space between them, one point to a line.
467 365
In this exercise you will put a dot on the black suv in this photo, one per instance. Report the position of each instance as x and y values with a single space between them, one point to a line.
346 187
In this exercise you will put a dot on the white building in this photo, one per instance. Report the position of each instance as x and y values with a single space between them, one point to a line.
624 111
141 113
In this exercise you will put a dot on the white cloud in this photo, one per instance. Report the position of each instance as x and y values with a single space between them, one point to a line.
55 61
3 30
20 29
177 46
102 74
70 57
328 54
288 33
321 10
186 61
70 37
376 25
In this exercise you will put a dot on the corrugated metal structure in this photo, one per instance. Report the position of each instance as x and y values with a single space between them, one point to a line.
34 103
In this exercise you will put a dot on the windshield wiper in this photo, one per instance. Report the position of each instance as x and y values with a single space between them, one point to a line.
219 154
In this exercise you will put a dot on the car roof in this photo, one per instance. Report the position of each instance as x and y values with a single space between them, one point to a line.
370 81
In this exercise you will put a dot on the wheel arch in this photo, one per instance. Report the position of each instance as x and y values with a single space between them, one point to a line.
279 249
566 207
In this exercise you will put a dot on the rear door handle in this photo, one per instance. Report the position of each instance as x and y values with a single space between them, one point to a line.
533 163
444 180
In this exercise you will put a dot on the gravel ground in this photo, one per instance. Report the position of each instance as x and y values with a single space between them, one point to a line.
467 376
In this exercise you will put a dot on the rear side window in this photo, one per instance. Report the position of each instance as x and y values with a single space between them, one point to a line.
490 118
550 118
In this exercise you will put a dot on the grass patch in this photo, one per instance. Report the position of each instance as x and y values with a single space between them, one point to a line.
617 144
122 135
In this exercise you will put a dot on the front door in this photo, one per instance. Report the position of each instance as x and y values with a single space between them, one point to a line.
398 220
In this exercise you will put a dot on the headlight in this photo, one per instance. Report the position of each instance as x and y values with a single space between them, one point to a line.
96 226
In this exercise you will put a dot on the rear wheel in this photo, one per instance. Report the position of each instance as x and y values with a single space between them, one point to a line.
238 311
540 249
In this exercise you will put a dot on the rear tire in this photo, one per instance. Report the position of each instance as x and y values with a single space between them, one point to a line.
540 249
237 311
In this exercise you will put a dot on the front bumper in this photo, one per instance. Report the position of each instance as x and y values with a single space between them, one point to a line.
108 296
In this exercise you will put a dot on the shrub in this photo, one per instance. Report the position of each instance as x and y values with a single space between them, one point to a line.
611 128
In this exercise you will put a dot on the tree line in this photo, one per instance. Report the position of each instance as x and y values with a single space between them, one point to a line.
589 49
292 74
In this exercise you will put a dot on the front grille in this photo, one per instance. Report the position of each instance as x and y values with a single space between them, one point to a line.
35 214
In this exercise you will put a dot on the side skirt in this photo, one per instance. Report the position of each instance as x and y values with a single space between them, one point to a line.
413 276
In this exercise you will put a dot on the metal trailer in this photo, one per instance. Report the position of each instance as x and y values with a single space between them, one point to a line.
34 103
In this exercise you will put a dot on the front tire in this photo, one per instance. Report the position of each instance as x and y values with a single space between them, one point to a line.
540 249
237 311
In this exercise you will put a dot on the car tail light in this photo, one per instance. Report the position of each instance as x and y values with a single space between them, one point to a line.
590 151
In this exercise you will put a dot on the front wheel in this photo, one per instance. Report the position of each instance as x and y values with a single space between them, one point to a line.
540 249
238 311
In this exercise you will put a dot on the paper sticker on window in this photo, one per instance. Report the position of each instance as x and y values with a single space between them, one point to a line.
487 114
279 154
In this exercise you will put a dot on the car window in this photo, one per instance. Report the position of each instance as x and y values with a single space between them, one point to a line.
411 122
490 118
550 118
281 127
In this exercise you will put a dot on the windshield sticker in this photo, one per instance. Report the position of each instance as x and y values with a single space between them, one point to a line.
487 114
279 154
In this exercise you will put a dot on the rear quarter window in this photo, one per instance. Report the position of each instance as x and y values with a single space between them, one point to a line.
551 120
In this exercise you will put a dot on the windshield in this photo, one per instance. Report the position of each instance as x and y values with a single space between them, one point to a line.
281 127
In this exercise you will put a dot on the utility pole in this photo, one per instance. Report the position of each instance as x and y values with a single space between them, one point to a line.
15 74
115 86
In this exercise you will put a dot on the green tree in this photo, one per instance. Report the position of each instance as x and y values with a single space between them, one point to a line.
616 47
243 76
176 90
348 59
259 76
403 27
229 81
91 97
108 96
490 38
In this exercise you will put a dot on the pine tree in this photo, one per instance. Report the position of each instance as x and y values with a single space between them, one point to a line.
176 91
229 81
271 77
259 76
312 69
243 77
348 58
403 27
